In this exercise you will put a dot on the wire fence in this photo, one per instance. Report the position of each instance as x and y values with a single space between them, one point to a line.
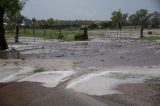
107 34
68 34
46 34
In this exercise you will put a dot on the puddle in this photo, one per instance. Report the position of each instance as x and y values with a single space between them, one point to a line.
105 82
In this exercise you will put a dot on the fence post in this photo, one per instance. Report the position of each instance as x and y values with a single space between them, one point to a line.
130 34
24 29
33 30
120 34
34 36
60 33
44 31
142 35
17 34
51 36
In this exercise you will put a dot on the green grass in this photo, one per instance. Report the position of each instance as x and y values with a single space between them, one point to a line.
124 76
38 70
77 63
154 83
153 37
68 35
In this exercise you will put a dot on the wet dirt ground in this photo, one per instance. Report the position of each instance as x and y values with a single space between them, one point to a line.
128 61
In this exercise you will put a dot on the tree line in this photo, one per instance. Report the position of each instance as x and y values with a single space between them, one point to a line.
142 16
118 20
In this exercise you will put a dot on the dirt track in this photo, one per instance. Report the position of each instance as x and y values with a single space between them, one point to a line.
83 58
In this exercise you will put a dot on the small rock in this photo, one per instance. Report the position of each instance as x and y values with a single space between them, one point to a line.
121 57
59 56
72 53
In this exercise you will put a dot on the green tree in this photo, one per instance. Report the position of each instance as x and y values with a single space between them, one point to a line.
155 20
94 26
18 19
141 15
50 22
138 17
8 8
133 19
124 18
143 19
118 19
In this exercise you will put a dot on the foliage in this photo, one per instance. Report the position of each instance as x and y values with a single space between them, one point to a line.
50 22
155 20
105 25
84 35
124 18
142 14
154 83
38 70
17 19
12 7
8 9
93 26
139 18
133 19
118 19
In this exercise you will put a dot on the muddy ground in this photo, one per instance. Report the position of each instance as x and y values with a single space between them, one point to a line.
111 72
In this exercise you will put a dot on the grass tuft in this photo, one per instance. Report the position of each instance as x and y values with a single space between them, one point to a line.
152 38
38 70
154 83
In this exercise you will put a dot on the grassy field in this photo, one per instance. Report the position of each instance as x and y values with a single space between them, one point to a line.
153 37
68 34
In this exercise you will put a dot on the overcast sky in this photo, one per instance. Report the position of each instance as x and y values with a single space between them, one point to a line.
84 9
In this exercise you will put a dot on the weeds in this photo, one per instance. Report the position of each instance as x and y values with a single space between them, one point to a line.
154 83
156 37
77 63
37 70
123 76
